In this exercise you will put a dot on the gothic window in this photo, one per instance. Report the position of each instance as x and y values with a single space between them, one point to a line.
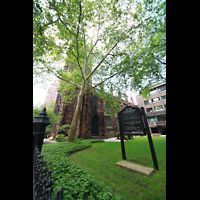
108 121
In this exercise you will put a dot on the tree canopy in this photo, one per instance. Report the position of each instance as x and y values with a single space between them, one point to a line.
114 37
101 40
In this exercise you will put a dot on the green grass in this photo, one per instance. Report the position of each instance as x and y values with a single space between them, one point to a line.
99 161
75 182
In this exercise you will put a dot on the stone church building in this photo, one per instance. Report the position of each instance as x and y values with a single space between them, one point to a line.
93 121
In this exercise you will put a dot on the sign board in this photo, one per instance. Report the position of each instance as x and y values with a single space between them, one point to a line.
131 121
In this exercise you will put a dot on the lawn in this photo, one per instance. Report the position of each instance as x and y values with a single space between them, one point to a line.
100 159
75 182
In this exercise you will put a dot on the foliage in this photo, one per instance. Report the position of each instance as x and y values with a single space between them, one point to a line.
126 137
81 32
76 183
53 117
97 41
60 138
37 110
151 46
99 161
63 129
95 140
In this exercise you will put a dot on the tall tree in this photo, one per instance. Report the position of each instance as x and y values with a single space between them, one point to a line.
99 39
53 117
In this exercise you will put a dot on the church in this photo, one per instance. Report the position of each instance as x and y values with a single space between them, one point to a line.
94 120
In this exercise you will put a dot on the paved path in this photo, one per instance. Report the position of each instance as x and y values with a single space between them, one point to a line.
46 141
113 139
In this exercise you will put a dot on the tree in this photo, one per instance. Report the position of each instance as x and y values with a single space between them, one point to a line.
99 39
53 117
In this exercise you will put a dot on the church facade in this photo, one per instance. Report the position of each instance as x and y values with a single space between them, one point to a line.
94 121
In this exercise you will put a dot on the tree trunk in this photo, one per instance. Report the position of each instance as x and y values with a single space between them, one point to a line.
72 130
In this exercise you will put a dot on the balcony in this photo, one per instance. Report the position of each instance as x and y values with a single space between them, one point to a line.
162 112
161 123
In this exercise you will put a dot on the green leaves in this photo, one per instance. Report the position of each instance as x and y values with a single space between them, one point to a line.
83 32
72 179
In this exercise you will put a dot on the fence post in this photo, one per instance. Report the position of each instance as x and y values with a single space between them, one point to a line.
39 125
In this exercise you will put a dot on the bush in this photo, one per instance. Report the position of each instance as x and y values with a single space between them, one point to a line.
126 137
60 138
64 129
95 140
75 182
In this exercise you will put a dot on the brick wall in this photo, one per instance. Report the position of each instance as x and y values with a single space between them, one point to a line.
92 107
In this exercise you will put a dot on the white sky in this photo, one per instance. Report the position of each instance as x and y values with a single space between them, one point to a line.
40 92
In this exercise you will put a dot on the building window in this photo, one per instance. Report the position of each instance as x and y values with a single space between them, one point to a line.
156 100
164 98
153 92
149 110
158 108
108 121
147 102
152 119
162 89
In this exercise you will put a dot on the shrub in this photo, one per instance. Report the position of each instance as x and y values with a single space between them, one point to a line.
75 182
60 138
95 140
118 136
64 129
126 137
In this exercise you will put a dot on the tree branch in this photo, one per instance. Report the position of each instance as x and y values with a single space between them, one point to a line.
77 48
50 23
78 86
102 60
110 77
62 20
118 54
160 61
66 27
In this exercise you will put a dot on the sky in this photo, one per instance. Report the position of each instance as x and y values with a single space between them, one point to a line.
40 91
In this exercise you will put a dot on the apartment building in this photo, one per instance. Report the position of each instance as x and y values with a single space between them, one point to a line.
52 93
155 107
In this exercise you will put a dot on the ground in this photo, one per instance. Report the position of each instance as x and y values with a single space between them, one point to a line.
100 160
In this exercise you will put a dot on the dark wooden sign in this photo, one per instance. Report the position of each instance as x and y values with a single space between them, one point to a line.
133 121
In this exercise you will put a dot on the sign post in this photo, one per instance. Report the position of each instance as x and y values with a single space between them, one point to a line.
121 137
131 123
150 140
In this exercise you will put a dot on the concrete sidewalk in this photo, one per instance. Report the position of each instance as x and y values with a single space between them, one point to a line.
46 141
113 139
